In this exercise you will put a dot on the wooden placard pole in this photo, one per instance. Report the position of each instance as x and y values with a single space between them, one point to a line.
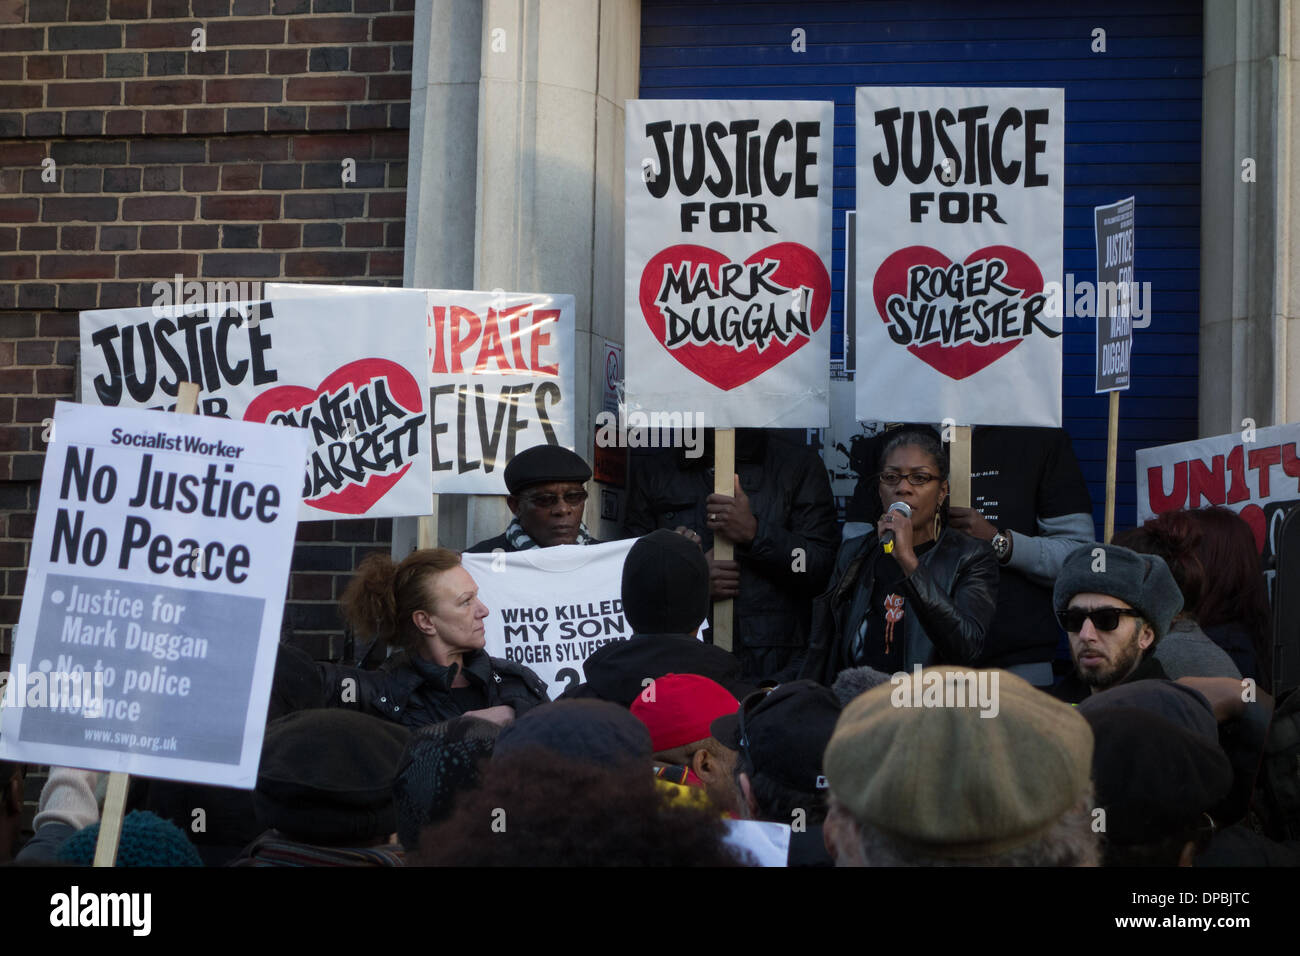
724 483
110 823
426 528
959 467
1112 452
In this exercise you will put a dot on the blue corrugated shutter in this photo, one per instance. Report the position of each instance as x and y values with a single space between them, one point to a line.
1133 127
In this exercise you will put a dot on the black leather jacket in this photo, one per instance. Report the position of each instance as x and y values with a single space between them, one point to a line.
412 691
787 563
950 597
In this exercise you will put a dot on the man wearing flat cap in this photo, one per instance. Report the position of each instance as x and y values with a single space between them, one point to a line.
546 495
1114 605
919 777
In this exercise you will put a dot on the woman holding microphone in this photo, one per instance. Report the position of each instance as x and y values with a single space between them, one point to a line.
913 591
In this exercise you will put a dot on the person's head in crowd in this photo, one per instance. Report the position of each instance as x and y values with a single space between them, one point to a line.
677 709
427 605
11 808
229 818
1114 605
440 762
950 785
538 808
1235 593
146 839
665 585
778 737
295 685
326 778
1174 537
588 731
1157 776
853 681
914 471
547 493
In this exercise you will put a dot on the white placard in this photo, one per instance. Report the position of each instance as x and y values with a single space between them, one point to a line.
728 239
960 197
347 369
151 614
550 608
500 379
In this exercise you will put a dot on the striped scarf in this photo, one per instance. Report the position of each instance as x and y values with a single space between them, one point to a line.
520 541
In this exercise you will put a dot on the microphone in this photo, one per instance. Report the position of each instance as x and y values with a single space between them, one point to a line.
887 539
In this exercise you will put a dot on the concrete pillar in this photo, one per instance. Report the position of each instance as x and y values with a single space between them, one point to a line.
1250 231
530 199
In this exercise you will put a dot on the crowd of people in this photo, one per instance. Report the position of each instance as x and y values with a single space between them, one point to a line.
951 687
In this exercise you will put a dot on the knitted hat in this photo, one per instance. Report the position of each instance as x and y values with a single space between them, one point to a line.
665 584
440 761
1155 779
146 840
592 731
1142 581
678 708
326 777
961 781
543 463
784 733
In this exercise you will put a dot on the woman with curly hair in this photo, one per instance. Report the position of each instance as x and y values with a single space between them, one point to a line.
428 608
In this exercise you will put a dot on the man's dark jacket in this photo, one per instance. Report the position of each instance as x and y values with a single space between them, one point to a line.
488 545
618 672
793 549
950 600
409 690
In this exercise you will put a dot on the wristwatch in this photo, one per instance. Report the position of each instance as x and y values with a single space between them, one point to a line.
1002 546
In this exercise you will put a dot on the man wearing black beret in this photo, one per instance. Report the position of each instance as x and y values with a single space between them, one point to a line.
546 495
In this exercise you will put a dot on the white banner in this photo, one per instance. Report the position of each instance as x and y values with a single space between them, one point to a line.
1255 472
500 379
960 214
552 607
728 237
347 370
151 614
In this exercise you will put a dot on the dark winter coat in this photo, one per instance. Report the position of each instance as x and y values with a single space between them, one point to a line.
951 597
619 671
787 563
414 692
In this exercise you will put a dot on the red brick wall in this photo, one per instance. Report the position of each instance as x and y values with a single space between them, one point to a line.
223 164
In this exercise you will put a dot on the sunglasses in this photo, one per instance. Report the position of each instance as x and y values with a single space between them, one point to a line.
916 478
547 501
1103 618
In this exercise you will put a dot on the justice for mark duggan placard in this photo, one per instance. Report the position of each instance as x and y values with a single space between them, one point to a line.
147 636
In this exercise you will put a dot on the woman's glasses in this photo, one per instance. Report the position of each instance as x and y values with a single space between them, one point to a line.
916 478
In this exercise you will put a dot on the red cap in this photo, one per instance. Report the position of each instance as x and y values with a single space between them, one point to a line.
678 708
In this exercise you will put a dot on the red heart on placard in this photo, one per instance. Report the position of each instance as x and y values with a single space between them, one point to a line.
718 363
358 497
966 358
